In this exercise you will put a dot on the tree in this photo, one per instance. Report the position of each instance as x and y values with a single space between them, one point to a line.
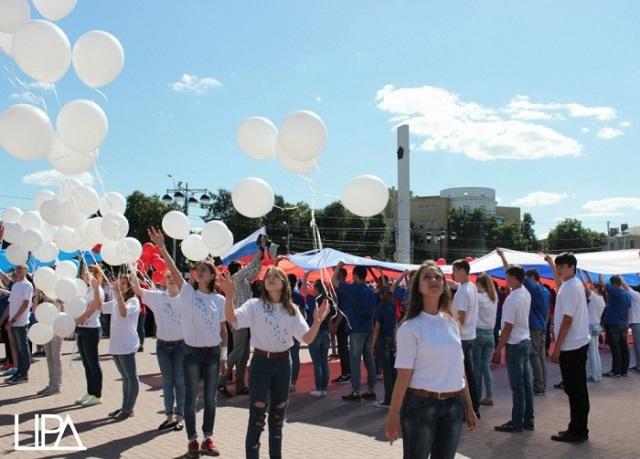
571 235
144 211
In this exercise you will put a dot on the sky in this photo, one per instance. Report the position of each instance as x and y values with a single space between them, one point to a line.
537 99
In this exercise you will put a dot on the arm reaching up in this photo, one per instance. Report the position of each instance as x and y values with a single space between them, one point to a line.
157 238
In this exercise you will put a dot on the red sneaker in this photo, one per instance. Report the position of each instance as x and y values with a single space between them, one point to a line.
209 448
193 449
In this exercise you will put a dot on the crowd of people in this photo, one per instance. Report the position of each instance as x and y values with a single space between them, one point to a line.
429 338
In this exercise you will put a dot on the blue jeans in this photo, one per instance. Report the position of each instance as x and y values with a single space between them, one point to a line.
635 330
126 365
360 346
520 382
197 360
594 354
88 340
23 350
386 353
142 318
170 358
482 352
431 426
319 350
617 339
269 382
295 361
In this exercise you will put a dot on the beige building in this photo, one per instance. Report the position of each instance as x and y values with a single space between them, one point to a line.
629 238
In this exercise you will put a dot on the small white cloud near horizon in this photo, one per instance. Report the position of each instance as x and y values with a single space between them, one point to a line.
597 215
451 124
52 177
585 130
539 199
194 84
608 133
617 204
625 124
520 107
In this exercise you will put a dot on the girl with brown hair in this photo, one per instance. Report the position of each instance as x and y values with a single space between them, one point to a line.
485 344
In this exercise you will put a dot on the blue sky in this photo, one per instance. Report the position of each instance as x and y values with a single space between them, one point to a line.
555 84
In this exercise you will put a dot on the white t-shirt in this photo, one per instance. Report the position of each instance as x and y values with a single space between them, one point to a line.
272 329
430 345
596 306
201 315
123 337
166 312
487 310
94 319
466 299
634 311
516 312
572 301
20 291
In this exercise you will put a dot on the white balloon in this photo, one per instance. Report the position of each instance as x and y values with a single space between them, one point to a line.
76 307
42 50
176 225
66 240
13 232
5 43
48 231
51 212
109 253
46 254
112 203
81 288
14 14
253 197
129 250
67 187
32 240
194 248
45 279
65 289
85 200
221 251
365 196
41 197
91 231
299 167
12 215
47 313
54 10
31 220
257 137
82 125
114 226
215 234
26 132
64 325
303 135
71 217
67 161
40 333
17 254
66 269
98 58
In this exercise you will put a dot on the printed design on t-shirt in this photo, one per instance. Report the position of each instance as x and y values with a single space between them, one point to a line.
280 333
168 310
206 310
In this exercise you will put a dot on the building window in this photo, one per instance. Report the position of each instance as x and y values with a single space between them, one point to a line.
500 220
632 244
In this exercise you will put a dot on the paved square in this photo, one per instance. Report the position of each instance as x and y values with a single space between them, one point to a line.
316 428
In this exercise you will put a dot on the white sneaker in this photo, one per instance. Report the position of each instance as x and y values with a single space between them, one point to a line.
316 393
84 398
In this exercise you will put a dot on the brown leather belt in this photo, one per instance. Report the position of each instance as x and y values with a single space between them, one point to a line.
271 355
433 395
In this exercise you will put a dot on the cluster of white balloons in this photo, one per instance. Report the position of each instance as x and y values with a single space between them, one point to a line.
43 52
216 239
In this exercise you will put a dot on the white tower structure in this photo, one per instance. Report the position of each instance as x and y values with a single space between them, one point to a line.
403 213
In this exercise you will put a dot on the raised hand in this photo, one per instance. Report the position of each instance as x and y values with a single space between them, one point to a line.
548 259
156 236
225 283
319 314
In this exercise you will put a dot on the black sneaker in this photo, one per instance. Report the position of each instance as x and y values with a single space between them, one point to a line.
342 379
538 393
352 397
224 391
560 385
570 438
17 380
610 374
508 427
624 375
528 426
368 396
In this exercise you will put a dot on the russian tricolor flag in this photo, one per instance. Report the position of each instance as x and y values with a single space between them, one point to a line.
244 250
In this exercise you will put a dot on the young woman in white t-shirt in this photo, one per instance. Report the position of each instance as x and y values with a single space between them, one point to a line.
431 395
88 330
273 320
124 341
169 346
485 344
205 341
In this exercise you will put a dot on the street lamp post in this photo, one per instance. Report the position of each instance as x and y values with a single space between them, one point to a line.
439 237
286 226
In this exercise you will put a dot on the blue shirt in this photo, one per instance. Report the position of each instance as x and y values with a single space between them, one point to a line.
539 305
4 300
386 316
618 304
400 294
311 305
358 302
299 301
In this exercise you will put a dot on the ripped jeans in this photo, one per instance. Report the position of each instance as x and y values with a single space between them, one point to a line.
269 383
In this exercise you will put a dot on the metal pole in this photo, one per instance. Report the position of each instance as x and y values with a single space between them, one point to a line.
403 239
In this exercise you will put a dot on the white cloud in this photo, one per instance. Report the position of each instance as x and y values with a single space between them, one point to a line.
520 107
318 99
52 177
539 198
596 215
448 123
609 133
585 130
625 124
194 84
617 204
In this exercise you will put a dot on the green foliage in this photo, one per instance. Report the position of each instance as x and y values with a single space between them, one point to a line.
569 234
144 211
